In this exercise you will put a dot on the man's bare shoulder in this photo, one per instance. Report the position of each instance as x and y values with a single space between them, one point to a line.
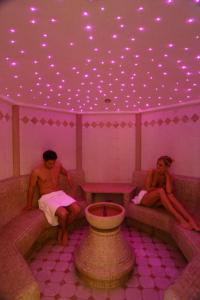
37 170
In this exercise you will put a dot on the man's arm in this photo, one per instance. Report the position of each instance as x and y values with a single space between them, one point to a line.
31 189
65 173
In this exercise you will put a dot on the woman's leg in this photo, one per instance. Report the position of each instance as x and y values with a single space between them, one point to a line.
153 197
183 212
63 216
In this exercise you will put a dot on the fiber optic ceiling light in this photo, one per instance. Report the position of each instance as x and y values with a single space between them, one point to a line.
72 55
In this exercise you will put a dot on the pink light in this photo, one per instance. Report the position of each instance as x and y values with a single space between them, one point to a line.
158 19
33 9
85 14
53 20
12 30
114 36
12 41
33 21
190 20
141 28
88 27
141 8
71 44
91 37
170 45
44 45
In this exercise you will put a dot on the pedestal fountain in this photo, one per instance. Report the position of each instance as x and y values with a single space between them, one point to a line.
104 258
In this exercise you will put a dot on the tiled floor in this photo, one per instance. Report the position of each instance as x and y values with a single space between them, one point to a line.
157 266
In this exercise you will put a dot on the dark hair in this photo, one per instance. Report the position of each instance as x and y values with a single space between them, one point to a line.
166 159
49 155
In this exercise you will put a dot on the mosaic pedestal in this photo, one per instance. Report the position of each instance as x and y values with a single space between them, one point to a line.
104 259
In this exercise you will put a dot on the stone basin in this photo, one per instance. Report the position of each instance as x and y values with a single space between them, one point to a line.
105 215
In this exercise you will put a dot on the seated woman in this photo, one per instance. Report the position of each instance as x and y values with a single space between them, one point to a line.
159 192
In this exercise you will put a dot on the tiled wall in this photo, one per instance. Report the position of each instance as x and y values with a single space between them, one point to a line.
175 132
108 147
41 130
6 167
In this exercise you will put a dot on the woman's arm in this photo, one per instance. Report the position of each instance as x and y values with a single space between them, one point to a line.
149 181
168 183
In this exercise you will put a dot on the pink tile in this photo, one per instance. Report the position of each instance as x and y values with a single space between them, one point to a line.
162 282
133 281
133 294
51 289
155 261
83 292
116 294
43 275
150 294
147 282
61 266
100 294
48 265
144 270
157 271
67 290
57 276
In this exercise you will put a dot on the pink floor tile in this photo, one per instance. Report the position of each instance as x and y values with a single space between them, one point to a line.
150 294
157 265
133 294
146 282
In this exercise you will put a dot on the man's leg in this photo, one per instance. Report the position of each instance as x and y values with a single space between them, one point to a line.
63 216
74 210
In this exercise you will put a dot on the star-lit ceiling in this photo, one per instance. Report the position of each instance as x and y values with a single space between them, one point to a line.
100 55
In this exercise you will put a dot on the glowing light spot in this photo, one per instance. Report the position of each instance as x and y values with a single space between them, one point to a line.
33 9
33 21
141 28
190 20
12 30
114 36
88 27
158 19
85 14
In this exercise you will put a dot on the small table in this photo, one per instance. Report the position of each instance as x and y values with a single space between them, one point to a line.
108 188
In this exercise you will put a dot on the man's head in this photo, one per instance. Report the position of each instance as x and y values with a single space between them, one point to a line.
49 158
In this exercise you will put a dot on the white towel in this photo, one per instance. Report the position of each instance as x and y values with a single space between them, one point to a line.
49 203
137 199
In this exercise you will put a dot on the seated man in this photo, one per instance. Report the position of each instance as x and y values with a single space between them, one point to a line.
58 207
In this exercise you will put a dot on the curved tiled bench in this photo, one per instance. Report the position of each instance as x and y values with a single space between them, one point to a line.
187 189
19 230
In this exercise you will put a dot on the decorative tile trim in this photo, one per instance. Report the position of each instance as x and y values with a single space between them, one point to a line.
108 124
50 122
6 116
176 120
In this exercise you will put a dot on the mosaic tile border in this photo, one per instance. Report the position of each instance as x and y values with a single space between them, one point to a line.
3 116
50 122
172 121
109 124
